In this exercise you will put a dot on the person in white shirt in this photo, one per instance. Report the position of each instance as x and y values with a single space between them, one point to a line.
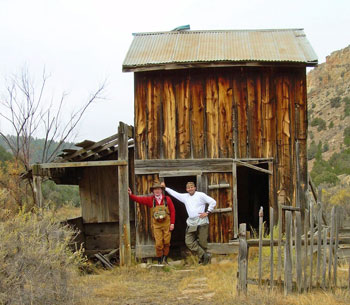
196 237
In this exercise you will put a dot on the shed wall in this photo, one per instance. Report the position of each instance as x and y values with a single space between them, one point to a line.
240 112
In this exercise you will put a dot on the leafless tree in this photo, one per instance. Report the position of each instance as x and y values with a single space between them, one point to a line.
28 112
26 108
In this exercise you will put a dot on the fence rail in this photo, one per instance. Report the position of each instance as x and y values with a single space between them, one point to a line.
300 243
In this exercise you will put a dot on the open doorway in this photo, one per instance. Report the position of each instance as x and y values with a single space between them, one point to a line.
252 193
179 184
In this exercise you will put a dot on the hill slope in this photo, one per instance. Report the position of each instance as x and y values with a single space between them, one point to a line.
329 100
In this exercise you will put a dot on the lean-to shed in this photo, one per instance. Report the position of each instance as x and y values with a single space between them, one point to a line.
226 109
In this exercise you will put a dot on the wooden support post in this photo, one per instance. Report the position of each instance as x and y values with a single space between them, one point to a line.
330 260
319 238
271 247
298 230
242 259
123 182
261 217
279 251
37 180
306 240
287 256
235 203
324 263
335 266
311 242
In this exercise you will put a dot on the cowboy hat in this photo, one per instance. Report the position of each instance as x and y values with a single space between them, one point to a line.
155 186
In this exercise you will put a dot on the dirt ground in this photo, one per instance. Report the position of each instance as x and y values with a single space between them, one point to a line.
189 284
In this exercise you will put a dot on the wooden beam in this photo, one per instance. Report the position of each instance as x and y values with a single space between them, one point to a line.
179 173
218 186
83 164
155 166
254 167
95 145
222 210
234 200
123 183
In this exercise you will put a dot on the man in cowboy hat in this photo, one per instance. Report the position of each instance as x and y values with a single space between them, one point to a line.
163 218
196 238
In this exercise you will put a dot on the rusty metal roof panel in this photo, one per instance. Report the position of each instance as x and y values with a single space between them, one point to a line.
154 50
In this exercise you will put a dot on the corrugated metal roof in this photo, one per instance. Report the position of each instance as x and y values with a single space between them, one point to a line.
151 51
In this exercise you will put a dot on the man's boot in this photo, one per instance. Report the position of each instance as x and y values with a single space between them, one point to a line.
165 260
160 259
205 258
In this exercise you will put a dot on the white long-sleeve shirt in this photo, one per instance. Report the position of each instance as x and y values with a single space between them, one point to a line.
194 204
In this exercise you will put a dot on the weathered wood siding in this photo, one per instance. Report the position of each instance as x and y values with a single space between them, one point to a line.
243 112
99 194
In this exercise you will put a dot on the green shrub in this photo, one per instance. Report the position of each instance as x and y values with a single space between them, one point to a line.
331 125
320 123
335 102
325 147
37 266
326 177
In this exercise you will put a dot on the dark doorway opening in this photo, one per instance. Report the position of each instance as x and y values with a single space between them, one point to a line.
252 193
178 235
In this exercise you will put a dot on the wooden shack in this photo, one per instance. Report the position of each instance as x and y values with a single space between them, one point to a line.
227 110
103 171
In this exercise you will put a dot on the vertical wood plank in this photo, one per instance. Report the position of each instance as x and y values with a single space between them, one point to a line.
183 122
330 259
37 180
123 182
279 251
288 273
240 89
169 120
212 117
319 238
242 260
234 198
324 263
197 117
335 266
311 242
298 230
306 241
140 116
225 118
271 247
261 216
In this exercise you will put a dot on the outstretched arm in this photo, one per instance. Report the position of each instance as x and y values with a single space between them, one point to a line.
146 200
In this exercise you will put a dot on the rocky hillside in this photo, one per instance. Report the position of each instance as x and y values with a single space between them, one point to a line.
329 102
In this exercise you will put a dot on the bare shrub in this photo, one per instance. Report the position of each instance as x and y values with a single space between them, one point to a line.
36 264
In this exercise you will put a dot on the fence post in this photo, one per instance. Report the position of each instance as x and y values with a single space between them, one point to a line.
242 259
298 249
271 247
330 260
324 264
311 242
261 216
306 240
279 254
287 255
123 182
337 221
319 240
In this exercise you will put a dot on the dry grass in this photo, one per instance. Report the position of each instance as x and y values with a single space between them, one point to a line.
212 284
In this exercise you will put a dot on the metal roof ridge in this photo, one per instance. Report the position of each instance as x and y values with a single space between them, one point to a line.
215 31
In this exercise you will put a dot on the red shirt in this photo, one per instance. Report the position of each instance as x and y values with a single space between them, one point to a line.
148 200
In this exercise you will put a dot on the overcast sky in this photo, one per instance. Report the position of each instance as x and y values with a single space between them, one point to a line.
83 42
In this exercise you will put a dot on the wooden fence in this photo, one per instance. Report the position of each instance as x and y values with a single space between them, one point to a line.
310 258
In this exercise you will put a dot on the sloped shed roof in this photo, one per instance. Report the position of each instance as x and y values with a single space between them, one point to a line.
181 49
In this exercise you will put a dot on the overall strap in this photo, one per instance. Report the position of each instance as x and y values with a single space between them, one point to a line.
165 202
